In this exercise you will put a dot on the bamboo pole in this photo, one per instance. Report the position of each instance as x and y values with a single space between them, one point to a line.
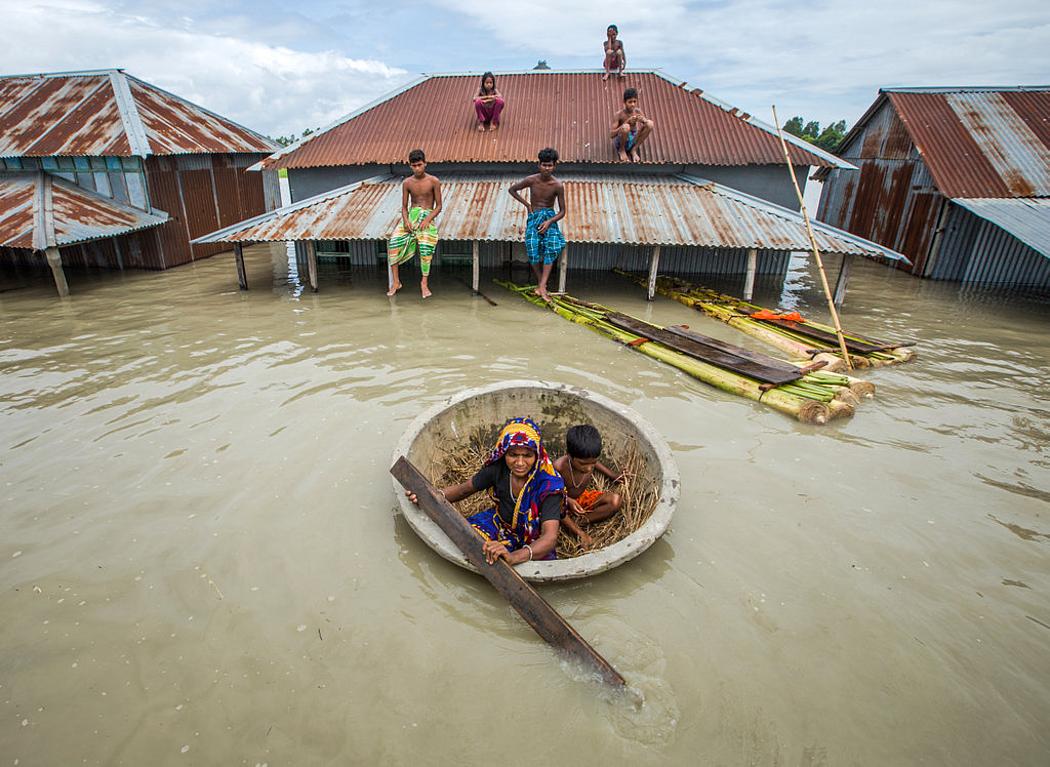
749 280
475 275
654 264
813 244
54 260
311 264
242 273
563 268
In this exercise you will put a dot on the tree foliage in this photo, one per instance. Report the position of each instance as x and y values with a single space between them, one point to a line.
287 140
827 139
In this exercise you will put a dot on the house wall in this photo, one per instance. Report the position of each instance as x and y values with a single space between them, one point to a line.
976 251
203 193
767 182
892 200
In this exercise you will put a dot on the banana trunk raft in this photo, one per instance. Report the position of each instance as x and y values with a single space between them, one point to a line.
810 396
800 338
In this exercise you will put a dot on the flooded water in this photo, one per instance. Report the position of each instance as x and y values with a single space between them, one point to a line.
202 562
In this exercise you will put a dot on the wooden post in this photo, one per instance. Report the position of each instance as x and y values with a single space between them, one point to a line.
54 260
242 274
536 611
311 264
749 281
840 284
475 277
563 268
654 263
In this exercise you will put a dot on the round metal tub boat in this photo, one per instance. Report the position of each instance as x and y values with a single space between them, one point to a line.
555 407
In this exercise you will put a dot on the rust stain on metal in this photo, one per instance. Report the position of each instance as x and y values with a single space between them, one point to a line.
79 215
981 142
572 112
649 210
80 115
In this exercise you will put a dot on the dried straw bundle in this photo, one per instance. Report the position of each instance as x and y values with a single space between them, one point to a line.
638 491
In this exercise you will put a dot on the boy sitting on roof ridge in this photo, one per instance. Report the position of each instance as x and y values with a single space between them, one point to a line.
543 239
631 127
416 228
584 504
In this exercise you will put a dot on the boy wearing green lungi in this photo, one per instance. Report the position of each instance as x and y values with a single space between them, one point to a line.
420 205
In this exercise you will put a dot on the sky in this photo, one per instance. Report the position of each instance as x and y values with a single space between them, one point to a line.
280 68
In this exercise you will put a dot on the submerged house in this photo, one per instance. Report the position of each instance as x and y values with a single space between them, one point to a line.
123 174
712 193
957 179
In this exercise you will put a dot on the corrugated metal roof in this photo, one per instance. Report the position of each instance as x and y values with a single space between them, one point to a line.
1026 219
571 111
110 113
38 211
980 142
649 210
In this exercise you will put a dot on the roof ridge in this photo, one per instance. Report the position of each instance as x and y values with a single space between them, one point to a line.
964 88
71 73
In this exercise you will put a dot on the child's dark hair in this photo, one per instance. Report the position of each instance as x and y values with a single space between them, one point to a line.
613 28
416 155
485 77
583 441
548 155
630 93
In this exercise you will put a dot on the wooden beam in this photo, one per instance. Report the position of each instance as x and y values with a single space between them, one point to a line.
654 263
749 280
536 611
311 264
54 260
840 284
563 268
242 274
475 277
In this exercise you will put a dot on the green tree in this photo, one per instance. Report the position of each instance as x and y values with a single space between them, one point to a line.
827 139
288 140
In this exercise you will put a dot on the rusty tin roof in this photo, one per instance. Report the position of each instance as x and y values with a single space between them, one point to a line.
978 142
39 211
648 210
110 113
571 111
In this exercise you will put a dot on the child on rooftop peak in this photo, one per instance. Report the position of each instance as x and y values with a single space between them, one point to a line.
420 205
615 58
488 103
584 504
544 241
630 127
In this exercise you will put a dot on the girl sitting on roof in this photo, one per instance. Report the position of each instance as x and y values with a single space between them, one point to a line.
526 490
488 103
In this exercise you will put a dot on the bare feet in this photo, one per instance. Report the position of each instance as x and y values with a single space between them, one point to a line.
393 289
624 157
586 541
605 77
493 127
634 156
424 288
481 127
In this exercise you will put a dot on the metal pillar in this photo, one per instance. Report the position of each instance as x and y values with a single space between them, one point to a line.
654 263
752 267
54 260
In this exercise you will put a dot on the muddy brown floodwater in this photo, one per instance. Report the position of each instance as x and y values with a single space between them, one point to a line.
202 563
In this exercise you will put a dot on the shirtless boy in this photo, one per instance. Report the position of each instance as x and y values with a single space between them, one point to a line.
615 58
583 503
420 205
543 239
630 127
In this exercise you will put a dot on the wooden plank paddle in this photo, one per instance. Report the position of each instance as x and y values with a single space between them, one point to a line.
536 611
727 360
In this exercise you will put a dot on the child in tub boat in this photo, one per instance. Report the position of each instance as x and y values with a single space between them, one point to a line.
527 492
585 504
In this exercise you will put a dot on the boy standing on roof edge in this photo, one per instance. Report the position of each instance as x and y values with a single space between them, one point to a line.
416 228
543 239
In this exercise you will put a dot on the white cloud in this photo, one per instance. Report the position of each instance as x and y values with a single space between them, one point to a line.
825 59
270 88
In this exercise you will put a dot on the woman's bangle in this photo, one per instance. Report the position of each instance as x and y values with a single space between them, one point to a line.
527 546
